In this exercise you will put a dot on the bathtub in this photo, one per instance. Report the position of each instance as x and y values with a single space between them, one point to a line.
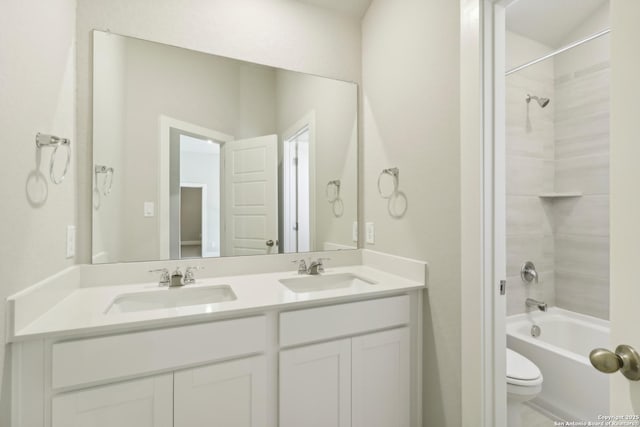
572 389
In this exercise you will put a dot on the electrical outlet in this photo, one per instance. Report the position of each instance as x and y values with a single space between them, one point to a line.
354 231
149 209
71 241
371 233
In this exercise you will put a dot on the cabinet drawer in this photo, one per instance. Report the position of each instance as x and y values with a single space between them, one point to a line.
119 356
323 323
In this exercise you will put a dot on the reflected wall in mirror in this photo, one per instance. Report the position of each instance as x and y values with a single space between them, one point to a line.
211 156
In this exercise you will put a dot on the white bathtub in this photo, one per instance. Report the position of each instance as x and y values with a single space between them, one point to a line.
572 389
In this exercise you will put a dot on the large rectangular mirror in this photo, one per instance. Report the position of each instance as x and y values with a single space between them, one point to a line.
197 155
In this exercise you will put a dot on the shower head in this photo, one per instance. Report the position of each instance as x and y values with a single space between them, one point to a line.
542 102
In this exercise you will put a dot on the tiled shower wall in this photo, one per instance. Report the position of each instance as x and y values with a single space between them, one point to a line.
582 164
529 172
562 148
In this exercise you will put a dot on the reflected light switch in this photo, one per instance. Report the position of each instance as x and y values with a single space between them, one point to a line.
371 233
149 209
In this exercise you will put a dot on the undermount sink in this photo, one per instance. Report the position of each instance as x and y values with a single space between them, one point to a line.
170 298
325 282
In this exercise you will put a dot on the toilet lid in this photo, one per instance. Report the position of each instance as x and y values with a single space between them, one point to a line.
521 369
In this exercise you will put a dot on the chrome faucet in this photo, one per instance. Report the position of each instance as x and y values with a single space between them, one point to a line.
302 266
189 277
315 267
165 278
176 279
540 305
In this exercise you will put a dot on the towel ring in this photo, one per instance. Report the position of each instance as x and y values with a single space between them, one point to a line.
335 183
337 208
106 190
394 173
43 140
108 178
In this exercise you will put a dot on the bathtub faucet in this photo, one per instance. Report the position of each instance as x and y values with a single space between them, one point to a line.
542 306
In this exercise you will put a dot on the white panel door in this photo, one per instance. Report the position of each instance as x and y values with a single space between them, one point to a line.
315 385
146 402
251 196
230 394
625 203
380 379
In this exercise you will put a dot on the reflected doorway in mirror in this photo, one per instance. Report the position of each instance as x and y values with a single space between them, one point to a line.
298 185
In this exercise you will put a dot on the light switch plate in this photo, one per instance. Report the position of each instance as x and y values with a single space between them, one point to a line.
149 209
71 241
354 231
371 233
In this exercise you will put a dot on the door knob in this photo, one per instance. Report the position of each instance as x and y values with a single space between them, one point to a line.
626 359
270 243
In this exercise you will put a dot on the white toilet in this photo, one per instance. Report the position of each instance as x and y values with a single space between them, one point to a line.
524 382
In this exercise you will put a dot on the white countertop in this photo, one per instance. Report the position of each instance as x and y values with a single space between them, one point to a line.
82 312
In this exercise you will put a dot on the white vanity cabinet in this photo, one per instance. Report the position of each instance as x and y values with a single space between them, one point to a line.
315 385
362 381
380 379
168 377
229 394
146 402
345 364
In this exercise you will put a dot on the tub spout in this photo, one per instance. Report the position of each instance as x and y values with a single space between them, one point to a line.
540 305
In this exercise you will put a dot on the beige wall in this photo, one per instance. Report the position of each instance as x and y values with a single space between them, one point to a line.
411 120
625 206
201 89
37 82
262 31
472 294
334 105
109 86
410 64
229 96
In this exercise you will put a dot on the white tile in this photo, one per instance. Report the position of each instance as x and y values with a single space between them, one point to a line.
586 215
592 139
583 255
537 248
583 293
582 114
528 215
528 176
588 174
529 128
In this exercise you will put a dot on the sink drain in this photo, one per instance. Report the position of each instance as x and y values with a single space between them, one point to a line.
535 331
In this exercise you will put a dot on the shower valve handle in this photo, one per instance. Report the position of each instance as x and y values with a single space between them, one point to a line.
626 359
528 272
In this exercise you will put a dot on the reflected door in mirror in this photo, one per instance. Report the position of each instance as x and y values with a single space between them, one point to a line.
251 199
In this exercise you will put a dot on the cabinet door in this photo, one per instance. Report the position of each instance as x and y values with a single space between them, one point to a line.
380 379
139 403
229 394
315 385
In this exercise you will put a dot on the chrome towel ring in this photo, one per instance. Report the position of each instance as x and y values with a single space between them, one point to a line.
108 178
44 140
337 206
394 173
335 184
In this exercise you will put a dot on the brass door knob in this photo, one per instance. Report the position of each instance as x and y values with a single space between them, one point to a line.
625 359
